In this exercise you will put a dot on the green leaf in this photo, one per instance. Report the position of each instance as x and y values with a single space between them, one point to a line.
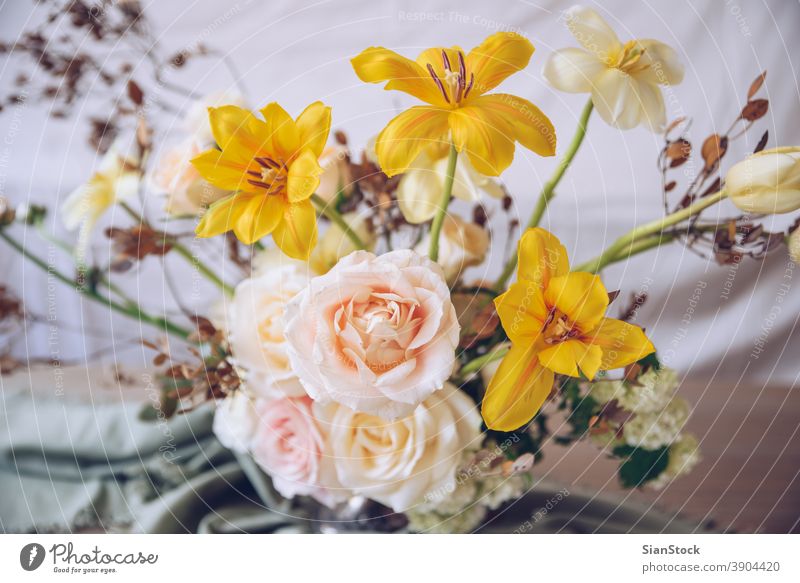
640 465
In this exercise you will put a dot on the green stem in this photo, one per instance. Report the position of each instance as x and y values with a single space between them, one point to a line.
548 190
330 211
132 311
634 237
202 268
184 252
70 250
444 202
477 364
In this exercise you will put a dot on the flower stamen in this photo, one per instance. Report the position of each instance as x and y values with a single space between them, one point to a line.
438 82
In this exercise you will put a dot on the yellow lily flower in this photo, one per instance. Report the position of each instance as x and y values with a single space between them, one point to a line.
272 165
454 86
556 322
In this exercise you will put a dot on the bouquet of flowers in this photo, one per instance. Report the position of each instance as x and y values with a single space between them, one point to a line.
364 363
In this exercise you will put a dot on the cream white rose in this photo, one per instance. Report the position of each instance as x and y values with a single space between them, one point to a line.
400 462
256 324
377 334
235 421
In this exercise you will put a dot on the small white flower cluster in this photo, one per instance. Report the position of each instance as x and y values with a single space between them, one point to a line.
684 455
659 428
464 507
652 393
657 421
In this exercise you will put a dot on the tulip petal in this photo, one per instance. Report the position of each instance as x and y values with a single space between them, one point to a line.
593 33
541 257
314 125
532 128
296 233
465 180
258 218
485 136
581 296
616 99
418 194
304 173
768 182
522 311
496 58
664 66
517 390
238 132
572 357
621 343
282 130
402 140
572 70
223 215
222 171
654 114
377 64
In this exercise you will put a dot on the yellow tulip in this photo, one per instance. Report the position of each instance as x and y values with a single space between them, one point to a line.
767 182
273 167
623 78
454 85
556 322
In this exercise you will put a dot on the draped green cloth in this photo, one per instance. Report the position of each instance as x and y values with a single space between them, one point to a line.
86 464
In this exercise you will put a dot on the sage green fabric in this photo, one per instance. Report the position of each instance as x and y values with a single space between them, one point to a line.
71 464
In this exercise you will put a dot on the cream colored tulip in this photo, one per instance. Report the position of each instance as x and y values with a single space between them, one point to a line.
195 122
462 245
623 78
335 175
767 182
794 245
116 180
187 192
334 244
420 188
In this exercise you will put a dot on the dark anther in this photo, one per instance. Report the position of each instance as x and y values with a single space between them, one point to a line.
267 162
469 87
446 61
259 183
438 82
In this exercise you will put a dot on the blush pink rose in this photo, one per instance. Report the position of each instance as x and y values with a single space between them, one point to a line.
288 446
376 334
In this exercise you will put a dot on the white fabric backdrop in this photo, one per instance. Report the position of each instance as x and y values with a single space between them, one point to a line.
705 319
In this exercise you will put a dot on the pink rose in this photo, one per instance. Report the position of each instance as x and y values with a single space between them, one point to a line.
288 446
377 334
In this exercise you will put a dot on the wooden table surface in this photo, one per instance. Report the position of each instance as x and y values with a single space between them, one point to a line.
748 478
